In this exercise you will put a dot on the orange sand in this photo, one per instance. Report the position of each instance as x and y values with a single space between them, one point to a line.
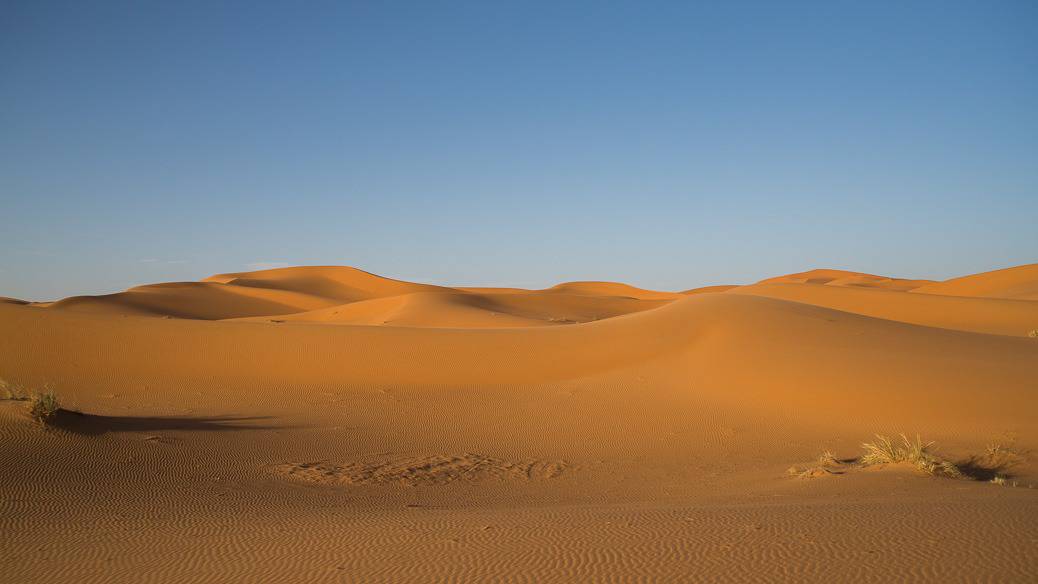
327 424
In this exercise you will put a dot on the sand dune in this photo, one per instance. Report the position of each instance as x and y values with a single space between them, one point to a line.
196 300
420 309
340 283
845 278
611 289
709 289
262 293
343 295
1020 283
982 315
460 309
327 424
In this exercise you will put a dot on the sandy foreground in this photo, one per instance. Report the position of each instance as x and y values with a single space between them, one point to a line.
323 424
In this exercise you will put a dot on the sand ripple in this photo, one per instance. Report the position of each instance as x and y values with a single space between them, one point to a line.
437 469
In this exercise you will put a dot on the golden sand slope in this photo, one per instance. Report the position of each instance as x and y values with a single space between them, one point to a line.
974 314
1020 283
327 424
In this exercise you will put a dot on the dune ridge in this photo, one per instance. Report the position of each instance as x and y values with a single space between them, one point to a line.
997 302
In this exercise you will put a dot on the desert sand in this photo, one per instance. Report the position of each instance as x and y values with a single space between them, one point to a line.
324 424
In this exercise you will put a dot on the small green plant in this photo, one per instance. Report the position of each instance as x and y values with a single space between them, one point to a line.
887 451
43 406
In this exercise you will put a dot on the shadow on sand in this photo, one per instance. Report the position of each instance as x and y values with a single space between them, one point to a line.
987 467
93 425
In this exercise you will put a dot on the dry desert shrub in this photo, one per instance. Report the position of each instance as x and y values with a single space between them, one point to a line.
916 452
43 406
811 472
827 464
11 391
997 461
992 466
999 455
827 459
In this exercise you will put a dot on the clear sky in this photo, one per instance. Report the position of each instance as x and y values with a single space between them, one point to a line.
665 144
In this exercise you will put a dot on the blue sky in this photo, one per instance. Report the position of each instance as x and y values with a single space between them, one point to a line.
669 145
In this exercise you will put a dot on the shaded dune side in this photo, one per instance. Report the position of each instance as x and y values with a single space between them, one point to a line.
195 300
740 348
1020 282
472 310
419 309
979 315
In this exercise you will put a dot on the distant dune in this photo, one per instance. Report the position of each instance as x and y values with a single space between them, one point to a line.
996 302
1020 283
328 424
845 278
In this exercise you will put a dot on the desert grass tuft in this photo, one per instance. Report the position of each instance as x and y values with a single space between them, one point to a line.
43 406
886 451
1033 334
828 459
999 456
826 464
882 451
12 392
950 469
